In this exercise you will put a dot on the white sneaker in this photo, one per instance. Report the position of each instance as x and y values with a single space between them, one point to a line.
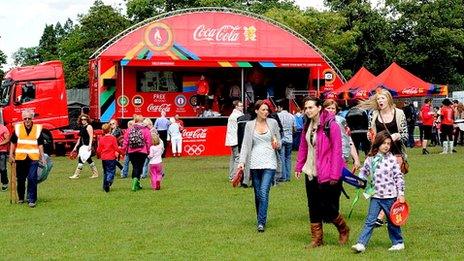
358 248
397 247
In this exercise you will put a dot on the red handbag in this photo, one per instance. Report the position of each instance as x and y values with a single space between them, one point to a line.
237 179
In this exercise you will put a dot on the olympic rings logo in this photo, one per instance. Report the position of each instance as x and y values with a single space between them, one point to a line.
194 149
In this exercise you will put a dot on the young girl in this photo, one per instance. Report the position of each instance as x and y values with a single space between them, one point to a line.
107 151
175 136
385 186
156 168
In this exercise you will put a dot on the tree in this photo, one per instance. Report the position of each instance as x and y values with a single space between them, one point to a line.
430 38
95 28
139 10
48 44
372 33
2 62
26 56
323 29
68 27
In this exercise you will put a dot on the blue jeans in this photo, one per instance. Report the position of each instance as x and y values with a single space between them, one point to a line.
27 169
375 206
145 168
109 170
411 142
296 139
262 179
125 167
3 168
286 159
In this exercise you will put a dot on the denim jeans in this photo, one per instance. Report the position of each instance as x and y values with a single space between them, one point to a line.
3 167
262 179
109 170
286 159
125 168
375 206
27 169
145 168
233 163
296 139
411 141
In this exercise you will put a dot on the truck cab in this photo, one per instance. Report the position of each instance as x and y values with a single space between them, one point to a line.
41 88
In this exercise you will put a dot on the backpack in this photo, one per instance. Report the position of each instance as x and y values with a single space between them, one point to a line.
136 137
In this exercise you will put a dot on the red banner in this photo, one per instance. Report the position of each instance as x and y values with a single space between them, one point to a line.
203 141
151 104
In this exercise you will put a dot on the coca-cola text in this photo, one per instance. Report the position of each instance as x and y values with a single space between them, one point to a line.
195 134
225 33
159 107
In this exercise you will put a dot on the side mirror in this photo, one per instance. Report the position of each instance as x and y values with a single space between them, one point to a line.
18 100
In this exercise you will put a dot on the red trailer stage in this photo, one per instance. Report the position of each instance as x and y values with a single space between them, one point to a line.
156 65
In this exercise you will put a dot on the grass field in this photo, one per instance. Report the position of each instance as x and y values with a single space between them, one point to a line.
198 215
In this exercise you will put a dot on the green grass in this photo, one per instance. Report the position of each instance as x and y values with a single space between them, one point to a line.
198 215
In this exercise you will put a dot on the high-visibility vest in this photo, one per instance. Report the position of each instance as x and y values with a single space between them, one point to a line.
27 143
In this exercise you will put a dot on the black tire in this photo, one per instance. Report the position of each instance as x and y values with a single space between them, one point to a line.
48 142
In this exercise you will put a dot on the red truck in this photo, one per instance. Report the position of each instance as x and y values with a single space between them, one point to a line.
41 88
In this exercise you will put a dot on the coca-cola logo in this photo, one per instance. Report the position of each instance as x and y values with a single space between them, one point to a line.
398 210
195 134
159 107
225 33
411 91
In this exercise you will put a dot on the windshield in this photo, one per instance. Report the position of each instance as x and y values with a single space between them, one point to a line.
5 91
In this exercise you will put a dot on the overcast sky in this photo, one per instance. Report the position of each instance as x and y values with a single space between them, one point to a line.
22 21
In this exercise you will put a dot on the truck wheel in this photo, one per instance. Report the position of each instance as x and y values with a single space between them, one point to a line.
48 142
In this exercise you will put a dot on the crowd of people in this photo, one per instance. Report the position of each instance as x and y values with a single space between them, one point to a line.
329 140
142 145
261 141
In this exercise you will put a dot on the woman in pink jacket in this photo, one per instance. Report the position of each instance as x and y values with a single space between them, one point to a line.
137 142
320 158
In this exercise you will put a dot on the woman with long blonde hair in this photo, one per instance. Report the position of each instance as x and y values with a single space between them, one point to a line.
385 116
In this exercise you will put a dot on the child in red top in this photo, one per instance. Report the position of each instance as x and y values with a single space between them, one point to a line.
107 151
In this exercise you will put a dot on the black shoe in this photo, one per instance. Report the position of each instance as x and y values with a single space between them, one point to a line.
4 187
425 151
260 228
379 223
455 151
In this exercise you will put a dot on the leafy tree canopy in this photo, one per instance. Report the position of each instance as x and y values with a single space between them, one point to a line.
26 56
2 62
95 28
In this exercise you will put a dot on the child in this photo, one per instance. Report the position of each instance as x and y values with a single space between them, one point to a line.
175 136
107 151
385 186
156 168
